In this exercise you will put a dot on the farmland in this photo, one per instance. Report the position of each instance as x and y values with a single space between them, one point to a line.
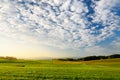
107 69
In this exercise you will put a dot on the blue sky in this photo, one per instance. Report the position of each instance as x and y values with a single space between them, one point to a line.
59 28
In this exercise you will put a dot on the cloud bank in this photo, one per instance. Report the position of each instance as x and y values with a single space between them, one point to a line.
60 23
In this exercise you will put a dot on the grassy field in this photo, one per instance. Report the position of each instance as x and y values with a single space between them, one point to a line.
108 69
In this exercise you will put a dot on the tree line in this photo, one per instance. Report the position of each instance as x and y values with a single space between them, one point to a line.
8 58
88 58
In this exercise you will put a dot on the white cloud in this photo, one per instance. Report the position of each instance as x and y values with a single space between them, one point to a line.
95 50
58 23
116 44
105 15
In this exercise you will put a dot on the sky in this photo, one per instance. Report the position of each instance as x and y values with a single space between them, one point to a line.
59 28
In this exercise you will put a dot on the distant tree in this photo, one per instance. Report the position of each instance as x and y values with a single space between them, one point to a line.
114 56
1 57
88 58
10 58
67 59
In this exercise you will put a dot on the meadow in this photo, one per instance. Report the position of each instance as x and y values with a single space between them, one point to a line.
107 69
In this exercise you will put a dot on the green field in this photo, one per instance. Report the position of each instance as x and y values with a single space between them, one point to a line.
108 69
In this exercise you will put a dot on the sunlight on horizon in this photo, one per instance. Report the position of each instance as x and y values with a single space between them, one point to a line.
26 50
22 50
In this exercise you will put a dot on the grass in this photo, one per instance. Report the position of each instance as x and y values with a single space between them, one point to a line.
108 69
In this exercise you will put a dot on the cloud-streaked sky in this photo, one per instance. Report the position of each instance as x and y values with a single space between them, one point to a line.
59 28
